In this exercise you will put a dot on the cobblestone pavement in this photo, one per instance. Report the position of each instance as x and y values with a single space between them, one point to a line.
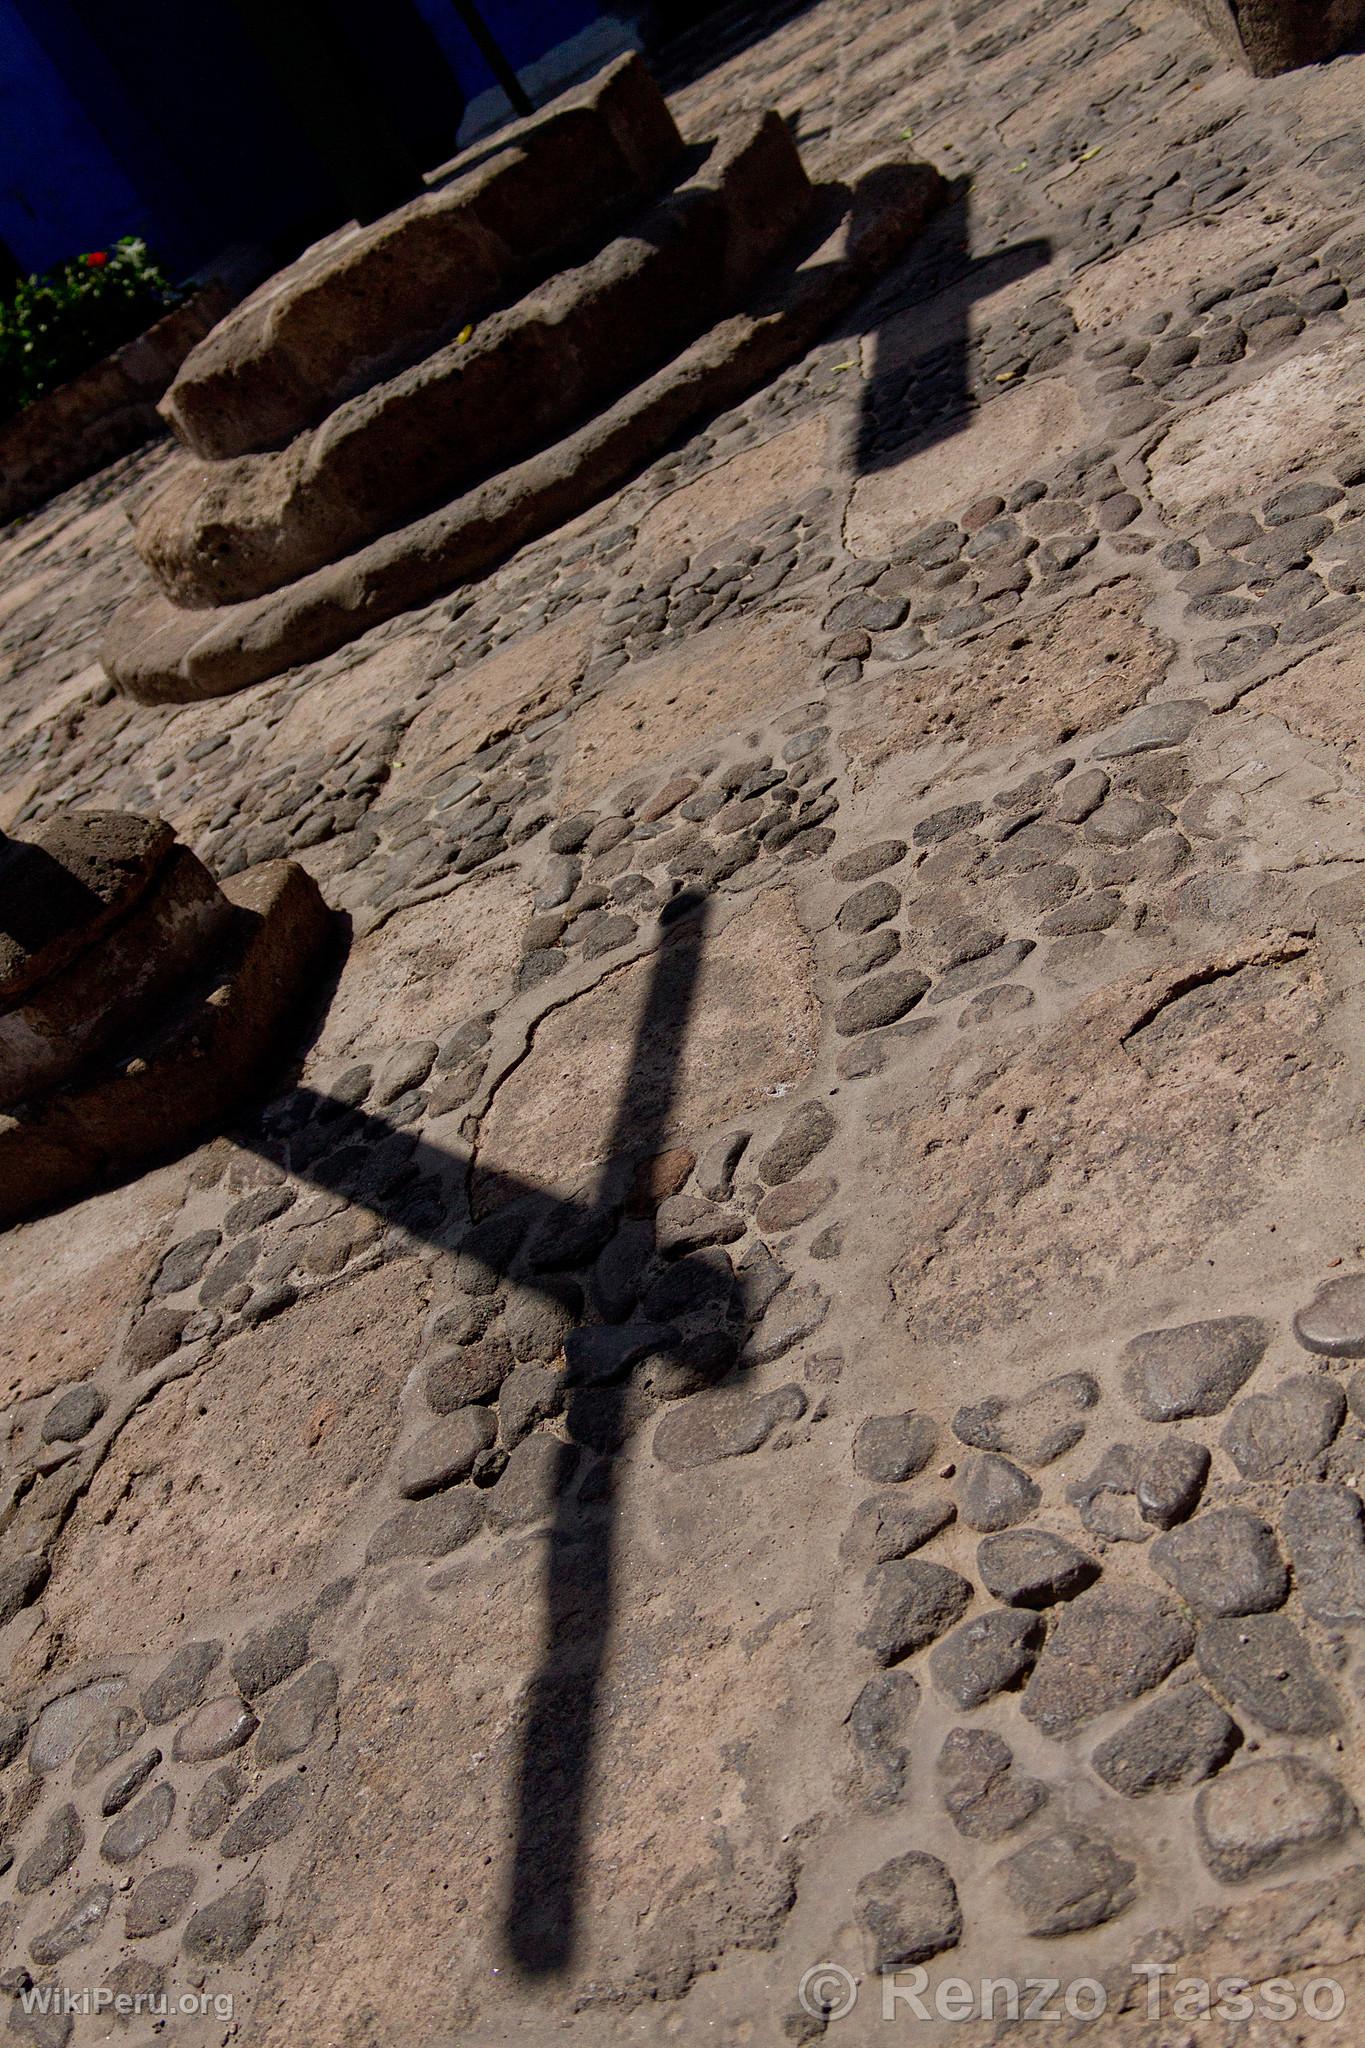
911 1516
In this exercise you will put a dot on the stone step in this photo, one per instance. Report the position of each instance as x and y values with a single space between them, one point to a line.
1277 35
220 533
60 889
158 653
371 300
120 980
219 1042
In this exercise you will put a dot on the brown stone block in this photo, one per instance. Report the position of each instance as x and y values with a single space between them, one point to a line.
65 886
160 655
374 299
1276 35
132 971
225 532
216 1050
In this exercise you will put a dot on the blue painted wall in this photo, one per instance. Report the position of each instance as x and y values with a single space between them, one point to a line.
525 30
150 117
62 190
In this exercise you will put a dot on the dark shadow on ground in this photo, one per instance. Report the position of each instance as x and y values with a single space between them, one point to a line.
920 389
679 1326
680 1322
683 41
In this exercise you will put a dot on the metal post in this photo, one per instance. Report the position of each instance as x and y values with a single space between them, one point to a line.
469 14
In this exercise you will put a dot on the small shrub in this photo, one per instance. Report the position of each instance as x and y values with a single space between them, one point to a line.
54 326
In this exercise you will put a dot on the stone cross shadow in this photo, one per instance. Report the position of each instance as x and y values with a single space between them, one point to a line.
532 1237
923 396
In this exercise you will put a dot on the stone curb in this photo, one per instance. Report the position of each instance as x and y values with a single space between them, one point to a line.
359 306
158 654
224 533
82 1136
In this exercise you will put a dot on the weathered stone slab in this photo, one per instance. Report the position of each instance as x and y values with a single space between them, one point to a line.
1299 412
979 1256
94 999
1276 35
531 677
69 1282
273 1453
213 1049
66 885
222 532
734 673
371 299
1153 269
1003 443
754 1030
778 472
159 654
434 965
1076 668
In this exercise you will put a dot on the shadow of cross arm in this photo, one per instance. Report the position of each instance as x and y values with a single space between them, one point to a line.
920 391
688 1336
